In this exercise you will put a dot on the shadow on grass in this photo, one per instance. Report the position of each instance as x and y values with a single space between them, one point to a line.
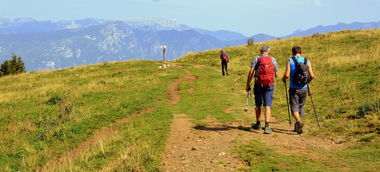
283 131
247 129
224 128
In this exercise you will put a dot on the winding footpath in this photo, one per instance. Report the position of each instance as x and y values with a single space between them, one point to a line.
210 147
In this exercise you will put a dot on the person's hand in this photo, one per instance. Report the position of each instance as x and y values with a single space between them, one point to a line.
247 88
310 79
283 79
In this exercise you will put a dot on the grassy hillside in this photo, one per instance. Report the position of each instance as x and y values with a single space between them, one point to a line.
45 115
346 87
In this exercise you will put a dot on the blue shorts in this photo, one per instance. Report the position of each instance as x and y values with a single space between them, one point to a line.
263 93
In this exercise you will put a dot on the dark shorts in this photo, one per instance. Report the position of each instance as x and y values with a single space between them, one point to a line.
297 100
263 94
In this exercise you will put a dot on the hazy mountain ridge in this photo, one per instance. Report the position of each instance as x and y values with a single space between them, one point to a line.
333 28
108 42
60 44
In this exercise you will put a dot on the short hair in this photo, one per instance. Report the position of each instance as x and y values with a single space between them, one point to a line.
297 50
265 48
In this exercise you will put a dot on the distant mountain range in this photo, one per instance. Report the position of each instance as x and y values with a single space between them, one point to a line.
59 44
334 28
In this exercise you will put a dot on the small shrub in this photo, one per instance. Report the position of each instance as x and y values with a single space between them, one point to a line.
368 108
55 99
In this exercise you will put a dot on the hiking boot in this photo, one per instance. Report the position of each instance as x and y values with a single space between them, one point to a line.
267 130
298 127
256 126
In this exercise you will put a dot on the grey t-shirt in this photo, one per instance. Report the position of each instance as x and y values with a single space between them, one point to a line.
254 65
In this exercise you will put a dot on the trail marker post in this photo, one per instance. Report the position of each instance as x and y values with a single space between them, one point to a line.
164 47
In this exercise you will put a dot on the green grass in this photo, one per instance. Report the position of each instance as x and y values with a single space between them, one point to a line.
45 114
139 142
209 87
87 98
262 157
346 65
345 90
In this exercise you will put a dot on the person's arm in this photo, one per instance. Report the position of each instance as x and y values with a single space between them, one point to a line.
310 71
287 71
249 79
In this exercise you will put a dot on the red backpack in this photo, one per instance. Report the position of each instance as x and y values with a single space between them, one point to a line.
224 56
266 71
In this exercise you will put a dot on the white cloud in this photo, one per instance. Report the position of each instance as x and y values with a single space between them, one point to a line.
318 3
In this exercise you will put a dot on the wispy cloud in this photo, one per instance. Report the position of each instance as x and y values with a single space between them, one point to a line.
156 0
318 3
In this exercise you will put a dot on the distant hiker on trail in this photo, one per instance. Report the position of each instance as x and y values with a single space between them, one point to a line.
299 70
225 58
264 68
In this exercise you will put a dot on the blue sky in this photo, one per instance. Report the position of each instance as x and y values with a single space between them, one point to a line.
275 17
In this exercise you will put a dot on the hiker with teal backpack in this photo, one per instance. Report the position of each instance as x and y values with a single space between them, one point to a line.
299 70
264 69
225 58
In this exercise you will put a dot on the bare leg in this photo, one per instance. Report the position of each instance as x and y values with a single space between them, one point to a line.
267 129
258 113
297 116
222 68
267 113
226 68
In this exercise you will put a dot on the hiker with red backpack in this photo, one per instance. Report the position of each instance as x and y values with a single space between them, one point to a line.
264 68
225 58
299 70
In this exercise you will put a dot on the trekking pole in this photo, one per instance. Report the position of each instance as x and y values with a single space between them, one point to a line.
246 104
287 102
315 112
252 98
249 95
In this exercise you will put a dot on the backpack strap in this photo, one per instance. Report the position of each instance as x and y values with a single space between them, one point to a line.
295 61
258 62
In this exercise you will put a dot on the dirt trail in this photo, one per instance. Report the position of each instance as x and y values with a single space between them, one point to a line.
193 149
190 148
208 148
173 89
99 135
289 142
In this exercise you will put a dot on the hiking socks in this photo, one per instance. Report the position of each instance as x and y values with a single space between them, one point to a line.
266 124
256 126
